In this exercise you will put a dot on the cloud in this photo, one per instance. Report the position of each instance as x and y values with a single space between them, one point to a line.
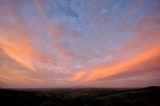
105 72
149 68
78 43
41 7
78 76
19 52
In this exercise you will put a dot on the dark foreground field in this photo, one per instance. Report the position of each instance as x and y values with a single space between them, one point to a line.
81 97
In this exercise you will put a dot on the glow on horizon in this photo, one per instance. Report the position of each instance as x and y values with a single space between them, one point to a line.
79 43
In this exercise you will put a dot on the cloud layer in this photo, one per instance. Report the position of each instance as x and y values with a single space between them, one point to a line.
79 43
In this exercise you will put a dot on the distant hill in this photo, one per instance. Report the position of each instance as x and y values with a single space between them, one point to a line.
152 88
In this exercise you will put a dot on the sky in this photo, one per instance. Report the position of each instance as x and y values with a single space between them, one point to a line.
79 43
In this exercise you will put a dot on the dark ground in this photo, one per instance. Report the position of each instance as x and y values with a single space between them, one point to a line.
81 97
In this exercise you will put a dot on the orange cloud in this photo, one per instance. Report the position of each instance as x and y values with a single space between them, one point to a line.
145 70
77 76
14 77
13 74
14 39
20 51
122 67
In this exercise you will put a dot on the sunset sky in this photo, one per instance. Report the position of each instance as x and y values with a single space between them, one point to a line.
79 43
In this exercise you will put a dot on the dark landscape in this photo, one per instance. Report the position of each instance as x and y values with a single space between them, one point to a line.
149 96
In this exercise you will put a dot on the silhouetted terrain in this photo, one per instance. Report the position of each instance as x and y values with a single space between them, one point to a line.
81 97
